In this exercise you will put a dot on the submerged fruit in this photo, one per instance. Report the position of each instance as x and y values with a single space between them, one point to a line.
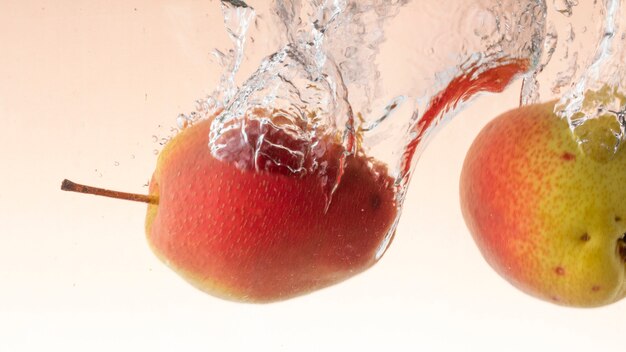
257 230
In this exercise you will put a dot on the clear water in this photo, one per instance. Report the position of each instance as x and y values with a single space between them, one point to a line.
379 76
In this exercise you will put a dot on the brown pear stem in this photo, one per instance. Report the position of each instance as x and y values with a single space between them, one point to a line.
68 185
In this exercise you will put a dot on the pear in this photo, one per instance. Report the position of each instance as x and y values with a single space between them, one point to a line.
547 213
255 229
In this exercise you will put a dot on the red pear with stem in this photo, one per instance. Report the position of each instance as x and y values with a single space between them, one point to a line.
252 234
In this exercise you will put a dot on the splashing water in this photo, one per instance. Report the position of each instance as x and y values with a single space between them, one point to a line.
377 77
338 48
583 68
604 79
371 77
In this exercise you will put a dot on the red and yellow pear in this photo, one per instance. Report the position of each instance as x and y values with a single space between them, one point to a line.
261 234
548 213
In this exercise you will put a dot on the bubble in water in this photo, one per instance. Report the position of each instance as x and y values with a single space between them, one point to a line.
182 121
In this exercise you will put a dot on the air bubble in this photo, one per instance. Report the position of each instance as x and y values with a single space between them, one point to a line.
182 121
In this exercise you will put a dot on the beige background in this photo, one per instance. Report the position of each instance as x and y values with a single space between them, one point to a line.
84 86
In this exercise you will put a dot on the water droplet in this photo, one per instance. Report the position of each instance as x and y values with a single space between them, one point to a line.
155 152
155 138
117 163
132 156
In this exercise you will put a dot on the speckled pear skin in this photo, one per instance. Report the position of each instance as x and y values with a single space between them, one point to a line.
547 217
259 236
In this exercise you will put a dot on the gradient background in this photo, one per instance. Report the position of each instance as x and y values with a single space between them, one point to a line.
84 86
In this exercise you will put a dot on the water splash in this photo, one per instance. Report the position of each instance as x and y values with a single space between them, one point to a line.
305 87
591 83
334 50
344 60
237 18
347 73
